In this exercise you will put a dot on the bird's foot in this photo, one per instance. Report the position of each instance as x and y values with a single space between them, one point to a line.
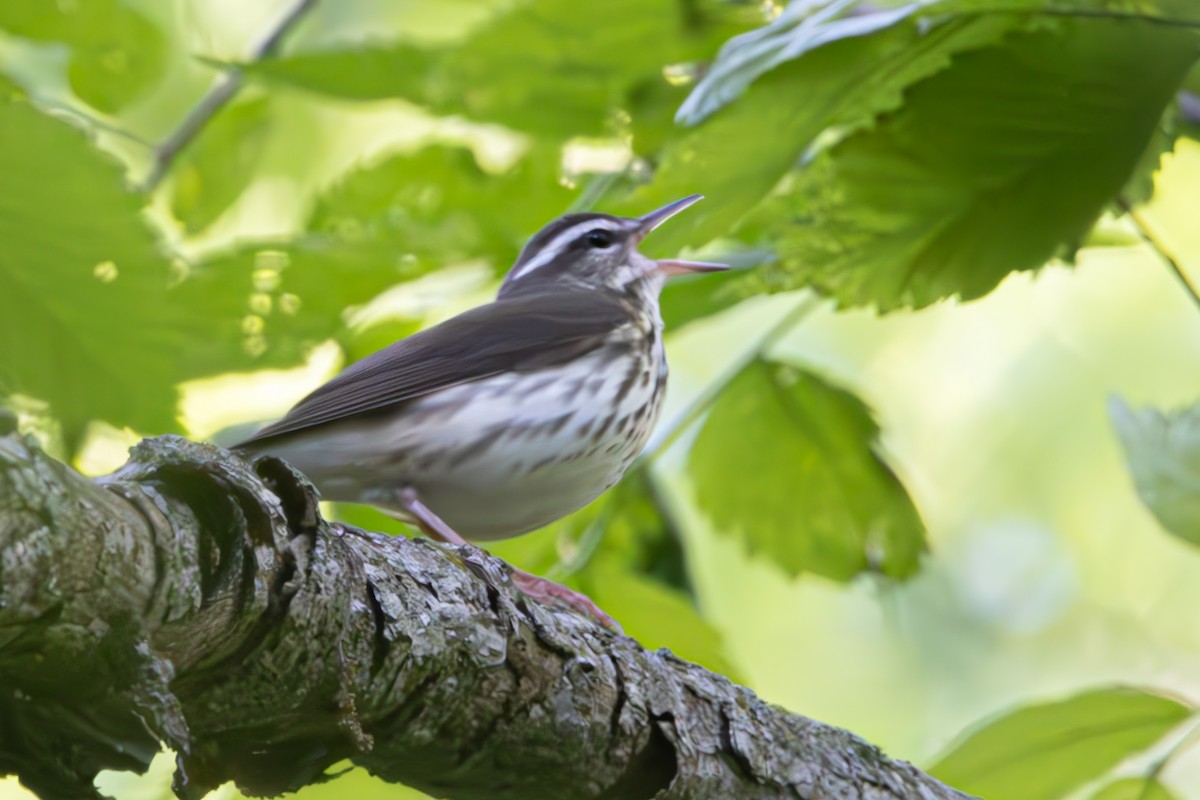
533 586
547 591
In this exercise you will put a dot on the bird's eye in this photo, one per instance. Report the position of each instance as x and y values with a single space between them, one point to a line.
599 238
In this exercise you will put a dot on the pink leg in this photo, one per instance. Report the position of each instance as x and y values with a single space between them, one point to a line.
533 586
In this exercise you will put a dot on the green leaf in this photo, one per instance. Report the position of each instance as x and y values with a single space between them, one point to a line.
738 156
360 342
116 53
624 529
806 26
268 304
214 170
87 322
1163 453
803 26
556 68
437 206
1043 752
1134 789
991 166
818 497
370 72
350 782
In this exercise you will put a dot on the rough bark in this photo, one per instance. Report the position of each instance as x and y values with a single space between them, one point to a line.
195 600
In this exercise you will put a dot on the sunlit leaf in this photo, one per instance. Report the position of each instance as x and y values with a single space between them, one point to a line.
803 26
989 167
1134 789
116 52
806 25
213 171
786 463
1043 752
738 156
360 342
1163 454
552 67
81 276
269 303
350 782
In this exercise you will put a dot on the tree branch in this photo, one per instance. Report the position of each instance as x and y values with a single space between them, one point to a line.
195 600
224 88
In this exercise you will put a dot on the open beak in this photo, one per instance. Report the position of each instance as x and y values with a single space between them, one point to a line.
676 266
655 218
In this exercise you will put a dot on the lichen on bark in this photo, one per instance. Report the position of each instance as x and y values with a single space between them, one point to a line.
198 601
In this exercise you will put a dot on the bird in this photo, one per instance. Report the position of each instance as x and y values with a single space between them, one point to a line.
511 415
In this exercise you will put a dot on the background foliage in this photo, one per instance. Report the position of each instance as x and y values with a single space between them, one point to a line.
870 500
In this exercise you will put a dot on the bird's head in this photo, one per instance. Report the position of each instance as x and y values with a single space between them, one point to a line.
599 250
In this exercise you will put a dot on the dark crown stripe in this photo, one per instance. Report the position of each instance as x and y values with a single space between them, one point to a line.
551 241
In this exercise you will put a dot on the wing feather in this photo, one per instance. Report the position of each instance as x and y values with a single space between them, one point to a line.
524 332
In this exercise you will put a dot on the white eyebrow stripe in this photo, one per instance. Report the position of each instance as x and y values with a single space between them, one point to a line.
556 245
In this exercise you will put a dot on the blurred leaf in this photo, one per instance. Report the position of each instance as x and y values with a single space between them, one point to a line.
689 298
351 782
786 462
624 528
1043 752
991 166
1134 789
556 68
360 342
370 72
1163 453
211 173
1139 187
270 303
1191 83
437 206
116 52
639 534
370 519
87 321
809 24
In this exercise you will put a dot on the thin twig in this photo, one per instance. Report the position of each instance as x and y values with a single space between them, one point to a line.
221 92
1147 236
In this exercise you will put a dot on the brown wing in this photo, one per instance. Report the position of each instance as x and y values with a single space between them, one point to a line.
520 333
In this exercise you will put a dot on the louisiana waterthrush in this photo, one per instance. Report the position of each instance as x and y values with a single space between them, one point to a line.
511 415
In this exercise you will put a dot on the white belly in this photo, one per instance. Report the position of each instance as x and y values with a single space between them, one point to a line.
497 457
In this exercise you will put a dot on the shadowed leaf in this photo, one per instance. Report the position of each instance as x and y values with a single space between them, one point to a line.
1033 137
